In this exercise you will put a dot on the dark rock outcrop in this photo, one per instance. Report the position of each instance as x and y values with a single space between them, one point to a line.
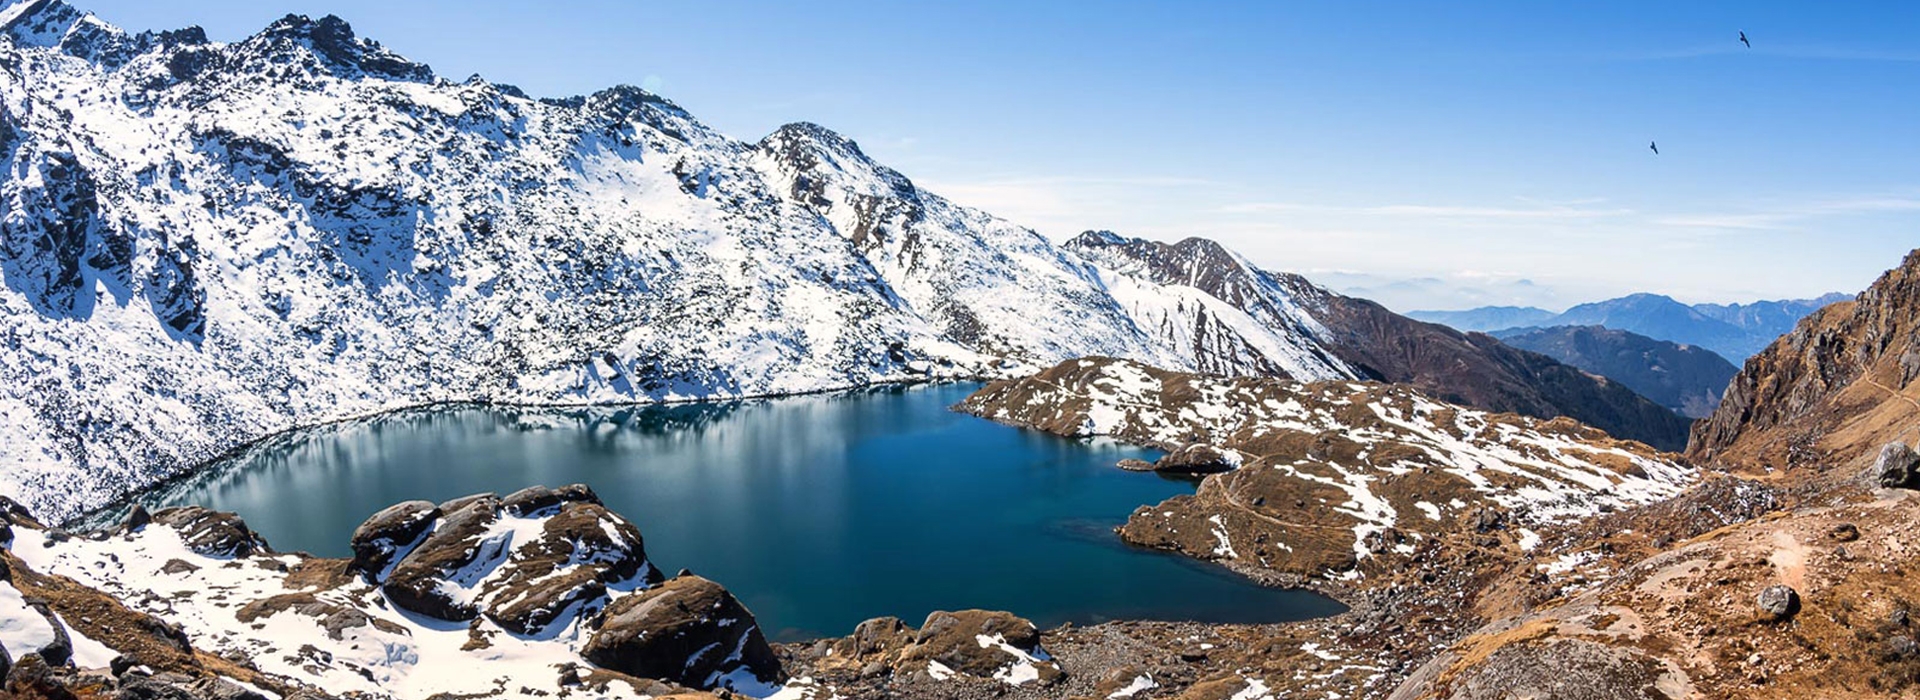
1778 601
1822 399
970 642
387 533
468 557
687 630
213 533
1897 467
457 542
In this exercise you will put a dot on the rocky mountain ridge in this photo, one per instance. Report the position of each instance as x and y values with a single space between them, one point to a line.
1376 344
208 243
1687 379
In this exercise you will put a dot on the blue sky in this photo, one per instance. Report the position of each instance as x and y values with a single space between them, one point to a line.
1435 154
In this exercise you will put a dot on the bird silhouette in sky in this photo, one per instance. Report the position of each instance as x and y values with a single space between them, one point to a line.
1654 146
1743 40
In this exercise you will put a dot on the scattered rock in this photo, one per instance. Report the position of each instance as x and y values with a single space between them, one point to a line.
1844 532
1778 601
689 631
1898 467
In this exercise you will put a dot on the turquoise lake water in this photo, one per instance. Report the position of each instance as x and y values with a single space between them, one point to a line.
818 512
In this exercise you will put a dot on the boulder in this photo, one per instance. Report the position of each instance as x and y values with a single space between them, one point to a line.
688 631
12 513
1778 602
531 562
1135 465
137 518
379 540
1199 459
880 635
213 533
982 644
582 548
534 499
1898 467
59 651
458 541
34 677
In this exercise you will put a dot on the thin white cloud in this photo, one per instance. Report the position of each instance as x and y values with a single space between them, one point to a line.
1429 211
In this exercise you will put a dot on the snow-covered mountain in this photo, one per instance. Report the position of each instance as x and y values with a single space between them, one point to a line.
206 243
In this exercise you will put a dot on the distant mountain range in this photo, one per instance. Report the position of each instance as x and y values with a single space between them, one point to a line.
1686 378
1735 331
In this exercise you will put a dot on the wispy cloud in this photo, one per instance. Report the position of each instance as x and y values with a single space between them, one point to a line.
1793 216
1541 211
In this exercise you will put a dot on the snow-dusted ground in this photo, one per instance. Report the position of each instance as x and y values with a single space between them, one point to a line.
1535 471
202 244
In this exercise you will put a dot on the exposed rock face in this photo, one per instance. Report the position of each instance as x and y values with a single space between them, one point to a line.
965 646
1821 400
687 630
1470 369
539 558
1897 467
390 533
981 644
1685 378
213 533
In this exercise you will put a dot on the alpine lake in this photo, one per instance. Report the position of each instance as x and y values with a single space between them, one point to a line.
818 512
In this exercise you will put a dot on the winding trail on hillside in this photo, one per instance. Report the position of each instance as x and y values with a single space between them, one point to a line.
1890 390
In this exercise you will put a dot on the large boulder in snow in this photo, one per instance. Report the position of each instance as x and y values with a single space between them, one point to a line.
689 631
213 533
531 562
379 540
982 644
460 550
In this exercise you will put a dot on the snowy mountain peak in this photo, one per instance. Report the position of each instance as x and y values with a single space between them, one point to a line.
39 23
332 40
819 158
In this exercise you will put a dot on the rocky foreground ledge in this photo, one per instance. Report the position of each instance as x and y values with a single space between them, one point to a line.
542 593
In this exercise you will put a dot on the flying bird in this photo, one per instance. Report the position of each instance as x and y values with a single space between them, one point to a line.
1743 40
1654 146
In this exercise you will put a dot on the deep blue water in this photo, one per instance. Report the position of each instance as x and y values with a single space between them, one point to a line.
818 512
